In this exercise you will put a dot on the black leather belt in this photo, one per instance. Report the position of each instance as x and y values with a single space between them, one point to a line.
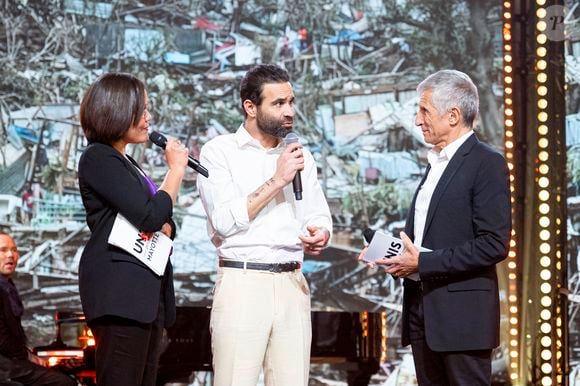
275 267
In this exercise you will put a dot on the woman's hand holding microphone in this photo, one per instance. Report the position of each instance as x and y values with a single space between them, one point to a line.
176 155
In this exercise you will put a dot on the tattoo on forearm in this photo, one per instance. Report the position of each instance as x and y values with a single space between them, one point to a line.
259 191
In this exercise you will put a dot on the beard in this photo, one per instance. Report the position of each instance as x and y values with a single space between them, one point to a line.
273 126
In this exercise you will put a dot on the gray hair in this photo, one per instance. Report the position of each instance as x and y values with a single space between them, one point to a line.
452 88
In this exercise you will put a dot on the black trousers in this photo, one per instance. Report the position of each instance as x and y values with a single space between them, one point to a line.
127 352
447 368
27 373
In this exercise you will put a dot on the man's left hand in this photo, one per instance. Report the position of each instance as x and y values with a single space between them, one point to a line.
315 241
404 264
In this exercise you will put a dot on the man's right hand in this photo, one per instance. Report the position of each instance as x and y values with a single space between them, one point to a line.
290 161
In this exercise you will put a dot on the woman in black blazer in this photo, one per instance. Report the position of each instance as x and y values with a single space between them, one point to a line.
126 304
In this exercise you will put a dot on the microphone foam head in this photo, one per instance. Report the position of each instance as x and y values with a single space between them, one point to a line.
291 138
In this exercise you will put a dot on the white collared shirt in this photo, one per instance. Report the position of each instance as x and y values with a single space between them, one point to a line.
238 165
438 163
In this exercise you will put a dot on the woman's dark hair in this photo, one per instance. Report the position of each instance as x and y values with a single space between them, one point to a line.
254 80
111 105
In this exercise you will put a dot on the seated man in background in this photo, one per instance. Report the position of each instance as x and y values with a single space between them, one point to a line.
17 364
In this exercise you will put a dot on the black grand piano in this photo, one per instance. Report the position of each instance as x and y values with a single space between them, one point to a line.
351 341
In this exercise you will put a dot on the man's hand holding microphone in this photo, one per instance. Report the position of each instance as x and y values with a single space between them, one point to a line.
289 164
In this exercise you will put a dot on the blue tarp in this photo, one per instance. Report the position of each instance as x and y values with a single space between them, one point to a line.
343 36
24 133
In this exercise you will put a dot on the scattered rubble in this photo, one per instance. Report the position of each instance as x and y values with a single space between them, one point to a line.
354 68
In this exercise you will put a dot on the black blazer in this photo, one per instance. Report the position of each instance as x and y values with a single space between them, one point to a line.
12 338
111 281
468 230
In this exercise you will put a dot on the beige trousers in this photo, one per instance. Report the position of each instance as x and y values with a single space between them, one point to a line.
260 320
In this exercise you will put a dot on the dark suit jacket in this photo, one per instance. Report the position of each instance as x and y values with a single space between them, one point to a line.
111 281
468 229
12 338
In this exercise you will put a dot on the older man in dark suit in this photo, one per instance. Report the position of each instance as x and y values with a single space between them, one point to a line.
461 212
16 362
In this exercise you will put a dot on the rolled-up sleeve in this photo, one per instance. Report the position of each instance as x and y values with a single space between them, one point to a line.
226 212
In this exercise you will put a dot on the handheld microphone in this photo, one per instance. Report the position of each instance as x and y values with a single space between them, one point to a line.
297 181
368 234
160 140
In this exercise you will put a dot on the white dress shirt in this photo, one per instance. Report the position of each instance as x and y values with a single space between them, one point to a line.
238 165
438 163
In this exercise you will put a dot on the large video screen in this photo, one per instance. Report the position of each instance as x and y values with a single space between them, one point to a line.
354 67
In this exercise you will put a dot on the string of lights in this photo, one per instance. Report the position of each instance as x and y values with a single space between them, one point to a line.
533 122
509 141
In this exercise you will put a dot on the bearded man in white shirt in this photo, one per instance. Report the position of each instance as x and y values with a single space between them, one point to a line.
261 308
